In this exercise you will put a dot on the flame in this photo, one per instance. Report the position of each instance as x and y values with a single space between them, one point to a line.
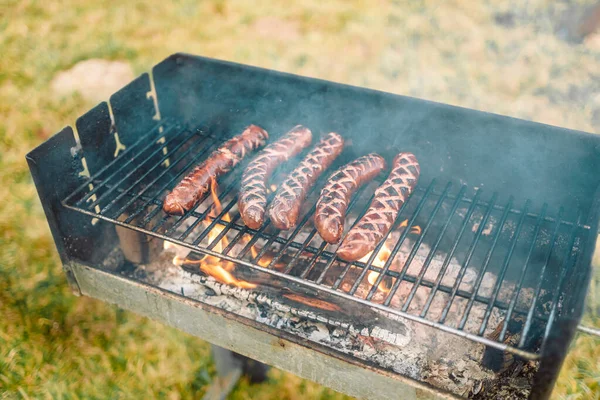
414 229
264 261
213 266
383 256
379 262
217 271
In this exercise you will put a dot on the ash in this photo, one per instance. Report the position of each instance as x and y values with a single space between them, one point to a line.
416 351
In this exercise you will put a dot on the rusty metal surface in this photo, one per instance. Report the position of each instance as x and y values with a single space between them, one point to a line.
254 340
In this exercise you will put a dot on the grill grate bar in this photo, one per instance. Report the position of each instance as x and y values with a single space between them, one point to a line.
144 176
166 185
395 226
449 256
514 211
486 263
212 224
342 276
149 200
538 289
468 258
332 256
236 239
413 251
430 255
570 260
254 239
108 166
121 168
223 231
500 279
201 217
322 246
296 230
403 236
519 286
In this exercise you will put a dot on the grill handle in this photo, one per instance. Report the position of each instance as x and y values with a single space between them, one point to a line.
588 330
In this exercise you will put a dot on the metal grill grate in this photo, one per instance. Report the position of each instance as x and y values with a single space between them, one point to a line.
472 259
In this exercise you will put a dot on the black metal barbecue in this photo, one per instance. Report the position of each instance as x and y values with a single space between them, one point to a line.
503 222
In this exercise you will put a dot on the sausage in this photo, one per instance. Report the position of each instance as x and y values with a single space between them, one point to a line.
285 208
333 203
189 191
252 202
383 211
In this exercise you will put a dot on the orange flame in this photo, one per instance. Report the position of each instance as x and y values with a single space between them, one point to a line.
217 207
414 229
379 262
383 256
219 269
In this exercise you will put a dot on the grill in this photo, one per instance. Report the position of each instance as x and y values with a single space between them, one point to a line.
508 233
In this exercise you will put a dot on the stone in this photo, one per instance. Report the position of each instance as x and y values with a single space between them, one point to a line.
95 79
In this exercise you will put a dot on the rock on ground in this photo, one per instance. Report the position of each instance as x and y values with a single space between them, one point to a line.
94 79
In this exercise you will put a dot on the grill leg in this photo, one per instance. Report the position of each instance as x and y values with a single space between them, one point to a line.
230 368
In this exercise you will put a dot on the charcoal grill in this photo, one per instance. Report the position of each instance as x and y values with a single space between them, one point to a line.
507 211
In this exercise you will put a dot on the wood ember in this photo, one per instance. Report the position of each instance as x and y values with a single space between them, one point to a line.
418 351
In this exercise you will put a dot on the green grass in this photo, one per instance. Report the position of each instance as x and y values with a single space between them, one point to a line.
54 345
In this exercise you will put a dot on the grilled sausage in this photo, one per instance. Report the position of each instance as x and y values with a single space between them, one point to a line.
335 196
285 208
189 191
252 202
384 209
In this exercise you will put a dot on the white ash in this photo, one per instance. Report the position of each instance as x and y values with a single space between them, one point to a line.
421 353
440 300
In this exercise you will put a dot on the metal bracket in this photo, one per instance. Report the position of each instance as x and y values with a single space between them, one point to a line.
588 330
229 371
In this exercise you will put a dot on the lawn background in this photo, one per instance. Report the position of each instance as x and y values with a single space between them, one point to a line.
507 57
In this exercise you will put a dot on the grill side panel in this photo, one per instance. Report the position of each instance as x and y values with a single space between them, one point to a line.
57 169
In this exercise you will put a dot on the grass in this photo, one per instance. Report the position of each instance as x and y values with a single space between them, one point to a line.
53 345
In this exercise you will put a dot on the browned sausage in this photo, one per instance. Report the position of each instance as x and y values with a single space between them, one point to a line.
335 196
253 193
383 211
189 191
285 208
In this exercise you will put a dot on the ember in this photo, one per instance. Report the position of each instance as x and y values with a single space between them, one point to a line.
313 302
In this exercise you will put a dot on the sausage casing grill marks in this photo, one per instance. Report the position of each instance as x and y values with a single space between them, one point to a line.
333 203
252 202
285 207
384 209
189 191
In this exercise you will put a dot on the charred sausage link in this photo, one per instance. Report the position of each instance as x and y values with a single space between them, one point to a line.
331 208
384 209
285 208
189 191
252 202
